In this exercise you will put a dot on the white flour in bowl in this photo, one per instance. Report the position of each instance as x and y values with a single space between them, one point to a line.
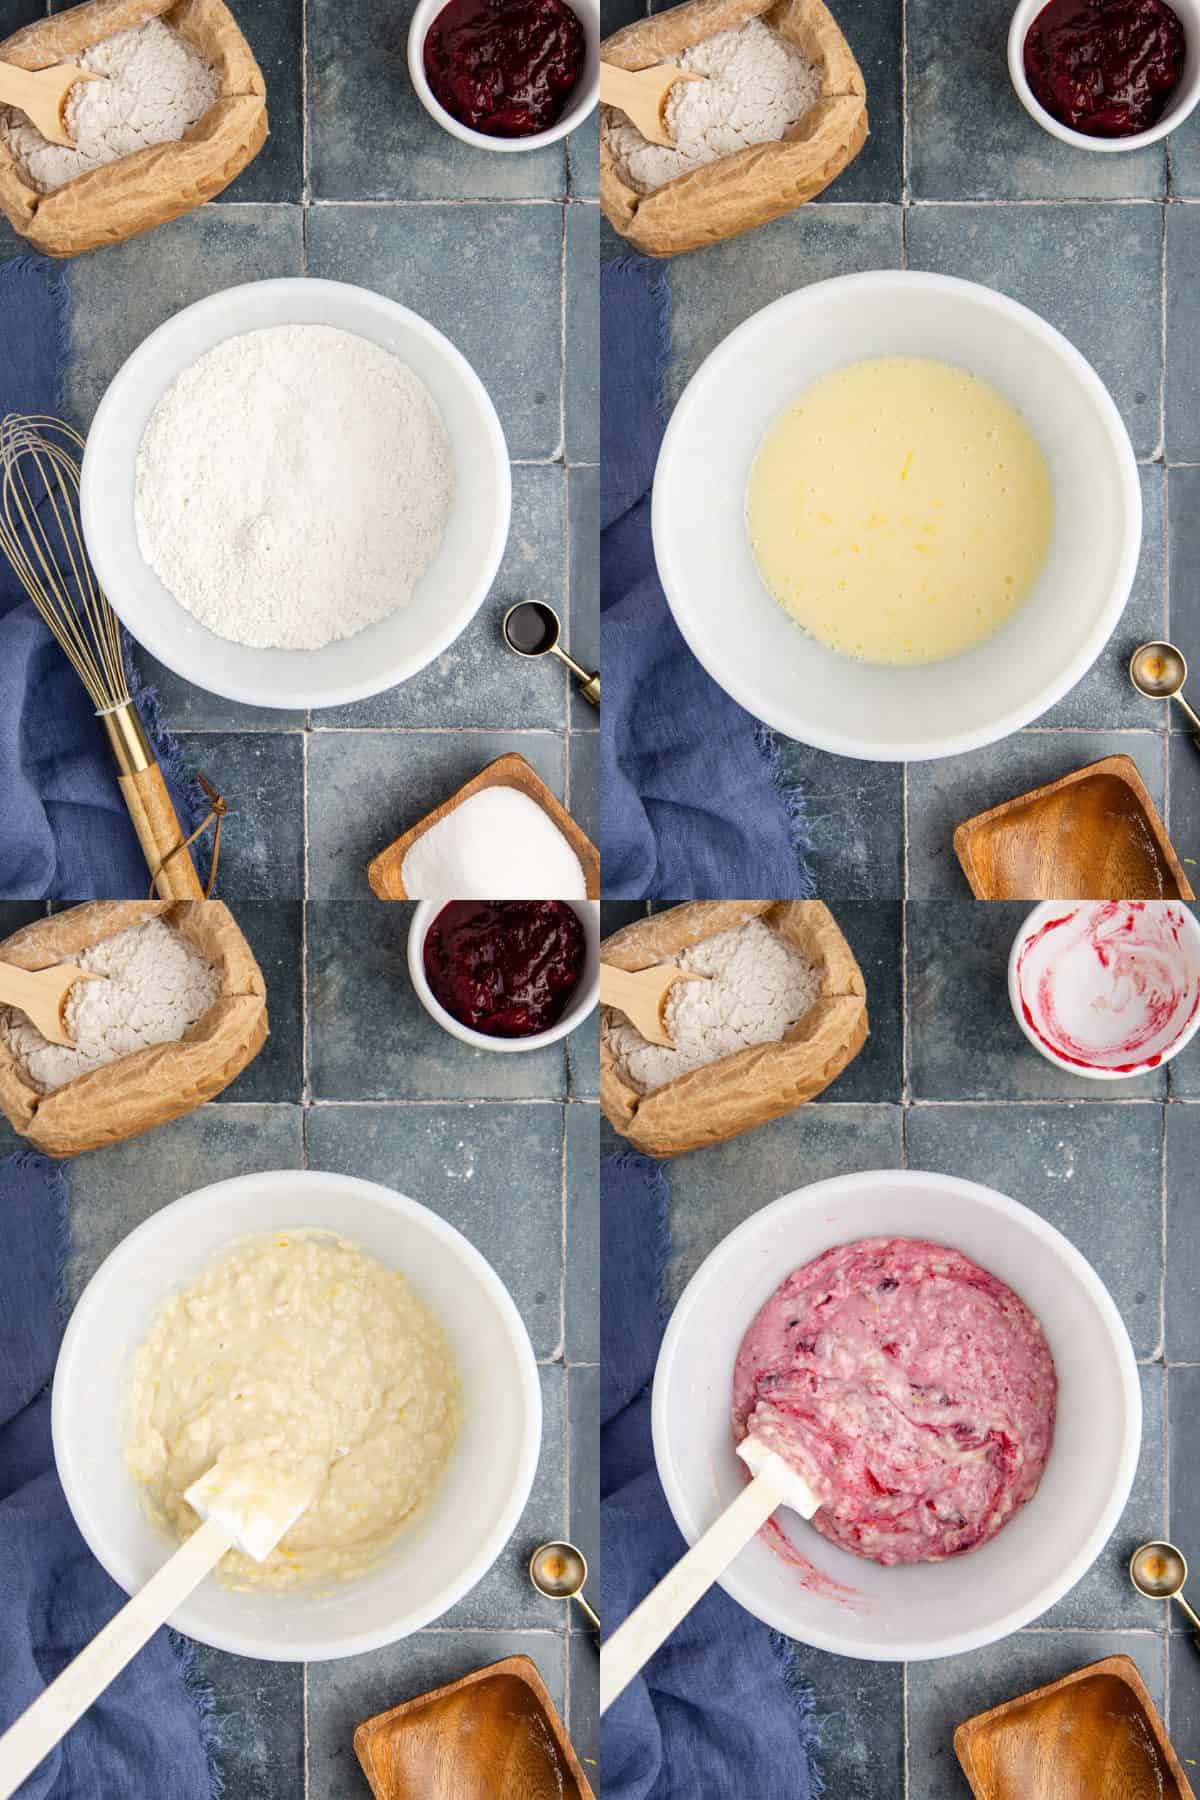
758 84
759 985
293 485
158 985
157 87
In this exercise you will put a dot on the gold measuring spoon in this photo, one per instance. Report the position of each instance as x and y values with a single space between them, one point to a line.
1158 672
532 628
1158 1571
558 1572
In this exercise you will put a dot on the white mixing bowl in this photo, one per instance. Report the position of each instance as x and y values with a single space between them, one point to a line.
928 1609
780 673
447 596
448 1548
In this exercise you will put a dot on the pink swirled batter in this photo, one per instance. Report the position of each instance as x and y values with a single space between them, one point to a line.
913 1391
1111 984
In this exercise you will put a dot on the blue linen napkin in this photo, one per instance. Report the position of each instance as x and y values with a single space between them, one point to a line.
691 803
64 830
719 1712
151 1733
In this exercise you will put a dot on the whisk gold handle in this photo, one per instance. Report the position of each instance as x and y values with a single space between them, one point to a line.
150 806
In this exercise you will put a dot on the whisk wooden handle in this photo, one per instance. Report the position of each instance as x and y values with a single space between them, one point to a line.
160 835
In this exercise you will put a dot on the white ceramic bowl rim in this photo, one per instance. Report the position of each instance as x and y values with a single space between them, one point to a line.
587 89
366 663
1181 106
787 314
1029 927
119 1273
821 1194
582 1006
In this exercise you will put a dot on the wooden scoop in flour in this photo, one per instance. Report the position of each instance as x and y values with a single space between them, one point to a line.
41 994
41 94
641 994
641 94
649 1625
249 1510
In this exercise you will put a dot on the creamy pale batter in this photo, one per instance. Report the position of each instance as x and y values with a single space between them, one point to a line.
900 510
913 1391
295 1348
1111 984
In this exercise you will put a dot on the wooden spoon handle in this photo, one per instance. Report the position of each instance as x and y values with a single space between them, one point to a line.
626 1652
68 1697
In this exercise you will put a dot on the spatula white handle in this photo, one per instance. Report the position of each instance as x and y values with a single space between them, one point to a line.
649 1625
68 1697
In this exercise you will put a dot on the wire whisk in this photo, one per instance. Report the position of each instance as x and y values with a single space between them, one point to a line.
41 536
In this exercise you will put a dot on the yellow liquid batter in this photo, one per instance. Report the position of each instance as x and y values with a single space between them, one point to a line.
900 510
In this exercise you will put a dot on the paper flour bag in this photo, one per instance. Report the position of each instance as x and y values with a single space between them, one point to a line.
762 181
123 198
725 1098
162 1082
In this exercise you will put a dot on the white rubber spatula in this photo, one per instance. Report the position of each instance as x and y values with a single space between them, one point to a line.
246 1508
641 94
41 94
641 994
41 994
626 1652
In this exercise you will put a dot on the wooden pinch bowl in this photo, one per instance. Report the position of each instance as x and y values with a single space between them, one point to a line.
494 1735
384 873
1094 1735
1093 835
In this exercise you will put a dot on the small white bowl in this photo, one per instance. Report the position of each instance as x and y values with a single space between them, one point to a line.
587 994
587 92
781 673
446 1550
924 1610
447 596
1182 103
1163 1049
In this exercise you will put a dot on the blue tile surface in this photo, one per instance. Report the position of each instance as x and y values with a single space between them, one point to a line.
478 681
1059 261
942 794
367 787
261 776
449 263
371 138
493 1170
1093 1169
971 137
371 1037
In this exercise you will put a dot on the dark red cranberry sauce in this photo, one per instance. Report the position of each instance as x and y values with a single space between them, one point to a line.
505 967
1105 67
505 67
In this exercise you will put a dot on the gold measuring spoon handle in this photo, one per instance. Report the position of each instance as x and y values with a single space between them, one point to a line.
589 685
594 1616
1194 1617
1192 715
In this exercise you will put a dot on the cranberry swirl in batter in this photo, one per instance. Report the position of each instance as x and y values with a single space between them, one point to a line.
912 1390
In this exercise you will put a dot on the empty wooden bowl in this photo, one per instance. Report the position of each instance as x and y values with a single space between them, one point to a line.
494 1735
1093 835
384 873
1094 1735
